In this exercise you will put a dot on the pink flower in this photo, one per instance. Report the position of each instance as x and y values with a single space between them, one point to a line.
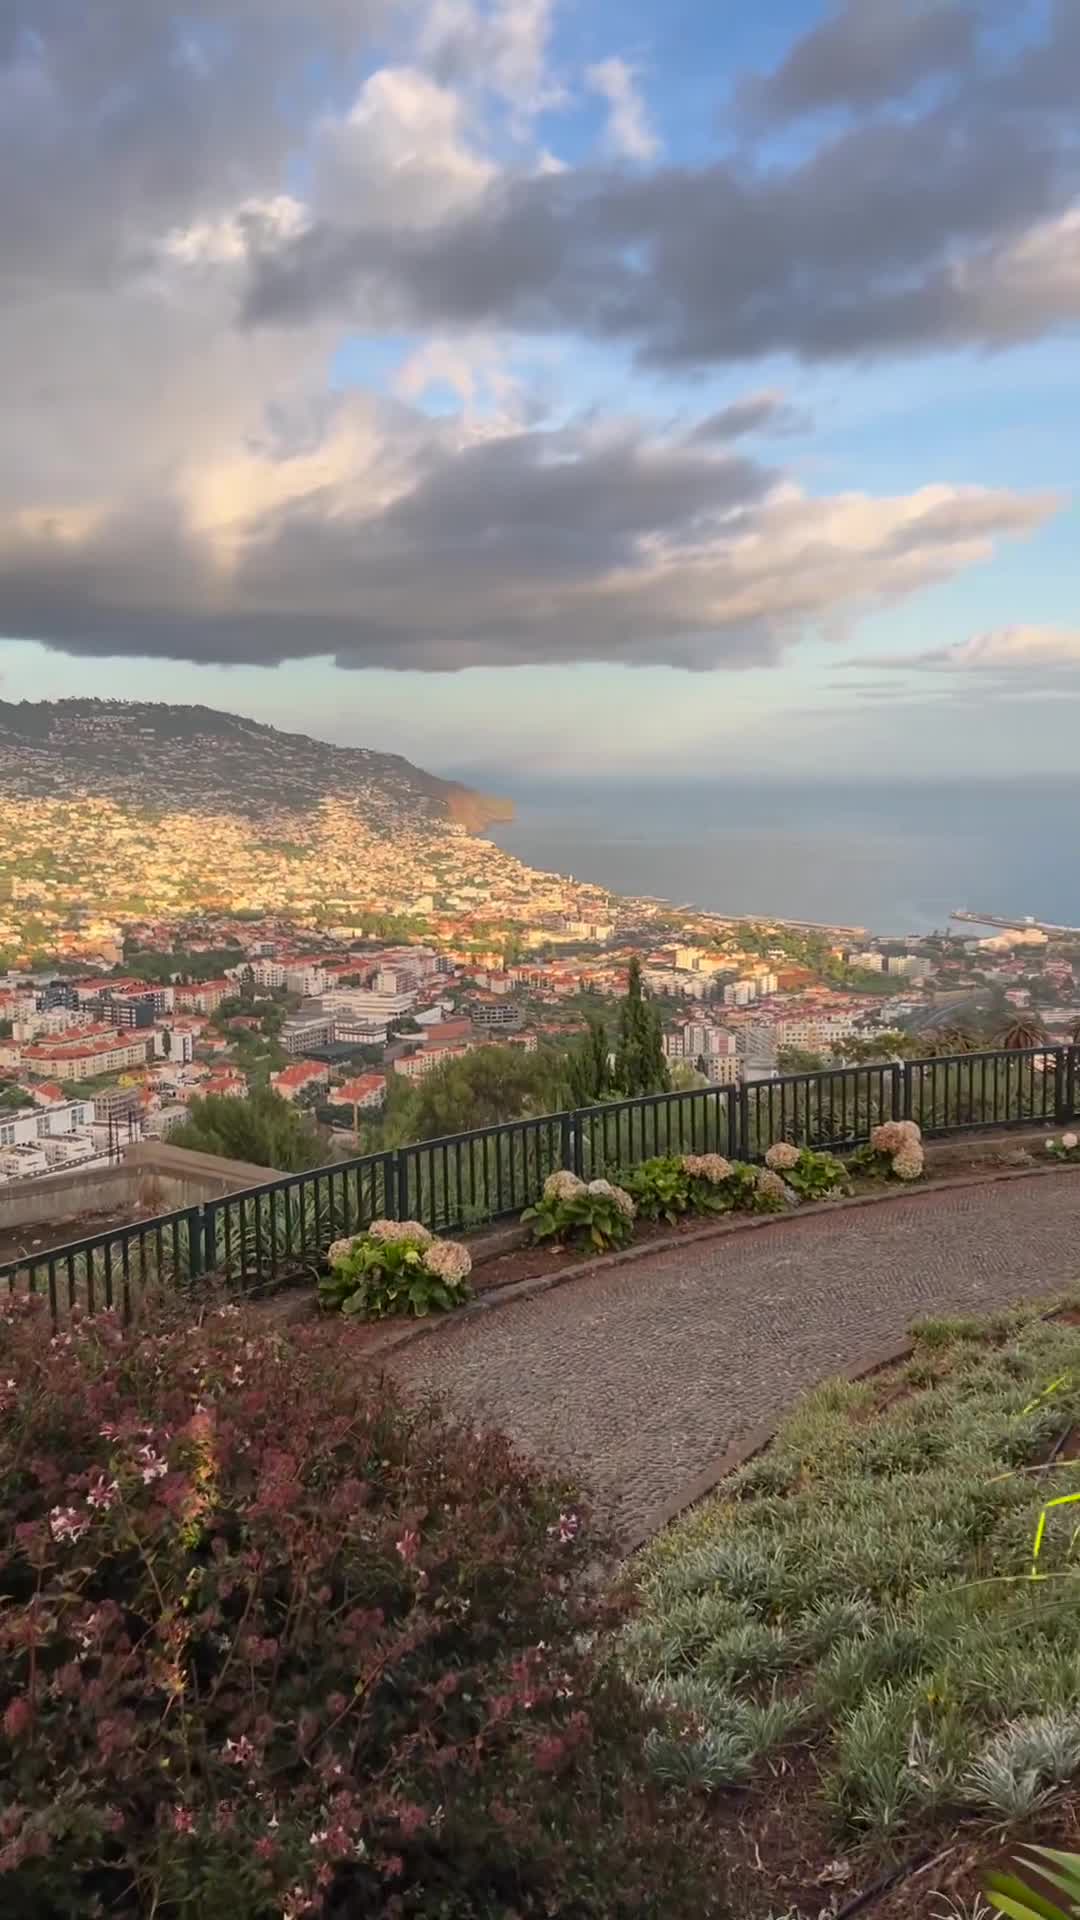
66 1523
103 1494
408 1545
182 1821
568 1527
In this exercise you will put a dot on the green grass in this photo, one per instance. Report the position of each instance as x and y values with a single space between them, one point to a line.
863 1589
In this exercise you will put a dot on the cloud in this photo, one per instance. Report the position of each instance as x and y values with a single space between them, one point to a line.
863 53
751 415
954 227
629 132
501 46
1006 650
390 538
194 231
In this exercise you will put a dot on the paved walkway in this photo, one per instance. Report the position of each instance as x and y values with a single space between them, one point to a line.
635 1377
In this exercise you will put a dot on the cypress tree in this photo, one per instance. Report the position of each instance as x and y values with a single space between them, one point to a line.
640 1066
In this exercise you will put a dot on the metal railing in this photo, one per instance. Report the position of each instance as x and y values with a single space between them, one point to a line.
281 1228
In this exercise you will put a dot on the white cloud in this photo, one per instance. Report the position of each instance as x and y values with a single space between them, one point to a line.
629 131
402 154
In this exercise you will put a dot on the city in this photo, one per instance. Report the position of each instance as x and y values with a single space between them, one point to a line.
139 975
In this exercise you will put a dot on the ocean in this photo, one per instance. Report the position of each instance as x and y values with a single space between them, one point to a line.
891 856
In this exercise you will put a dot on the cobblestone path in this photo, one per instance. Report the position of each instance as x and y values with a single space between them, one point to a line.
636 1377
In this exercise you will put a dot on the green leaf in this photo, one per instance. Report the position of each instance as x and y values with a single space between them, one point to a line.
1017 1902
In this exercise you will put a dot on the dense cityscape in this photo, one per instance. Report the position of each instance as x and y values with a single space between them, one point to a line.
341 956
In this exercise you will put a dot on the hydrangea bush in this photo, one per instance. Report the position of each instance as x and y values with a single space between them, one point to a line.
895 1151
395 1267
659 1188
595 1211
275 1645
1067 1148
811 1175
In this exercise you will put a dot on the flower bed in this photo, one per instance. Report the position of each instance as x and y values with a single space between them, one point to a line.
867 1671
275 1646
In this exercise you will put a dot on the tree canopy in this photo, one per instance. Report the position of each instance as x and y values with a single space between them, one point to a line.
263 1129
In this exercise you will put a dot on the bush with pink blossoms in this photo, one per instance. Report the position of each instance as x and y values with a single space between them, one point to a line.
1067 1148
274 1643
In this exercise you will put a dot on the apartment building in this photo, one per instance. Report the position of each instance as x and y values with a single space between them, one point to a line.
496 1015
108 1052
366 1091
292 1081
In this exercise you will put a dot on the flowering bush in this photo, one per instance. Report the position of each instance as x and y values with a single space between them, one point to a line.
273 1644
814 1176
771 1194
397 1266
573 1209
1067 1148
660 1189
782 1156
895 1149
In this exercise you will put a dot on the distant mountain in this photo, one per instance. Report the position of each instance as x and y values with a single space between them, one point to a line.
150 756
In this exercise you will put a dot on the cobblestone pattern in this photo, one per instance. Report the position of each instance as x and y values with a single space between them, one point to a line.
636 1377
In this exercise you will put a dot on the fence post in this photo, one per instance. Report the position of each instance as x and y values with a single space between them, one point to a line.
401 1185
907 1100
1064 1083
196 1225
577 1142
566 1140
744 1121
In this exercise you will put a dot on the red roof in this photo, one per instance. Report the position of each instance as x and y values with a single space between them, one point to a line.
357 1089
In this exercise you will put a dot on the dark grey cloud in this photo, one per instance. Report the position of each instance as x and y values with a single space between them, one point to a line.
581 543
898 235
865 52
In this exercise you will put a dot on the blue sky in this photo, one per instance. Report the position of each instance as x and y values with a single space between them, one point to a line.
384 372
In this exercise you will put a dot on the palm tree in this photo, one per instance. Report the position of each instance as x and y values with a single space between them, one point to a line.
1022 1031
943 1042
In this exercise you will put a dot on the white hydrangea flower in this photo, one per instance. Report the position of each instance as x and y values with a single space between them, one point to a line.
618 1194
562 1185
387 1230
781 1156
1070 1141
448 1260
707 1166
909 1161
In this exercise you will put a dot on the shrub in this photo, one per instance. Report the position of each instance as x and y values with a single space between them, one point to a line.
771 1194
1067 1148
895 1151
814 1176
397 1266
573 1209
274 1644
660 1189
722 1186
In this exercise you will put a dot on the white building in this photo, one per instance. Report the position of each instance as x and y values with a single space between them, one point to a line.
33 1139
268 974
305 979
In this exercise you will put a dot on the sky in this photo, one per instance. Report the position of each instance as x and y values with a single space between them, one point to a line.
622 388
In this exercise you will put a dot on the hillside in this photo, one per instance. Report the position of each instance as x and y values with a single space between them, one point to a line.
149 757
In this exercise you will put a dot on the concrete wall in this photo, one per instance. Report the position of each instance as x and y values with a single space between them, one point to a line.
152 1178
